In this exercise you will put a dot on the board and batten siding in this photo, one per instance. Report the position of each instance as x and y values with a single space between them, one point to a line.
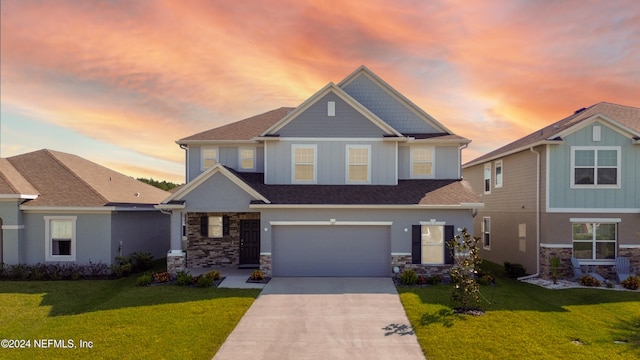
331 161
315 122
387 107
562 196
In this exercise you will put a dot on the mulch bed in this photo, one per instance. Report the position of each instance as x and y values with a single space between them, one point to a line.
263 281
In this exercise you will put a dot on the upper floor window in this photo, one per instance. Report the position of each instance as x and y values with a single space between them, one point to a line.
594 240
595 166
209 156
60 238
303 164
247 158
358 163
499 174
487 178
422 162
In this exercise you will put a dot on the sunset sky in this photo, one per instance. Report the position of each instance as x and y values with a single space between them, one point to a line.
117 82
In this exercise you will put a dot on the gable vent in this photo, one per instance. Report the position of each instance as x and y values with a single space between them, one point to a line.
331 108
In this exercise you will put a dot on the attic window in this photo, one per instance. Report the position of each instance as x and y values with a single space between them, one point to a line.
331 108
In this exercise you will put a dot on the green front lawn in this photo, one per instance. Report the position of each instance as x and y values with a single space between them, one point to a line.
524 321
122 321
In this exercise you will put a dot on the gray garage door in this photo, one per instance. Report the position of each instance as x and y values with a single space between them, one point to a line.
337 250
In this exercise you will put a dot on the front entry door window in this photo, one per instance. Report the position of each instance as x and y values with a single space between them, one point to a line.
249 242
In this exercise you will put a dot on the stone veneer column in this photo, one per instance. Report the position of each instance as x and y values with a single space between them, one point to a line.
404 262
176 261
265 264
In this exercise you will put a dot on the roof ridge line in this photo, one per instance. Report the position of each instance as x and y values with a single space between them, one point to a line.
73 173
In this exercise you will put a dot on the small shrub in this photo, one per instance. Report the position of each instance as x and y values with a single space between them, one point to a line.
140 261
204 282
408 277
631 283
214 275
183 278
588 280
434 279
514 271
486 279
257 275
162 277
421 280
144 280
554 263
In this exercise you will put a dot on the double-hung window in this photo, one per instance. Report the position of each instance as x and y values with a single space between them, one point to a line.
358 164
422 162
247 159
499 174
595 166
486 233
303 166
487 178
209 156
60 238
594 239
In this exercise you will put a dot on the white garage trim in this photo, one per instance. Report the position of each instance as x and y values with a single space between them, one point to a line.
334 222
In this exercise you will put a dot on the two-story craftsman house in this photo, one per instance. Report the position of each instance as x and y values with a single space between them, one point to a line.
570 189
354 181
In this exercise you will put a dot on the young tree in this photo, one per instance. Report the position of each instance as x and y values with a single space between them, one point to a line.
464 250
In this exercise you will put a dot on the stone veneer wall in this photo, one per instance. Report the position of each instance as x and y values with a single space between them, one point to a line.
203 251
265 264
404 262
176 262
566 271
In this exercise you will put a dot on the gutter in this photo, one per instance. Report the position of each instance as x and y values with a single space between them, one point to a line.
186 161
537 217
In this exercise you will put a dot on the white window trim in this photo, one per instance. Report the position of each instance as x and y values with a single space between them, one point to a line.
486 167
484 233
349 147
594 241
48 256
499 164
202 150
595 167
293 163
433 162
253 151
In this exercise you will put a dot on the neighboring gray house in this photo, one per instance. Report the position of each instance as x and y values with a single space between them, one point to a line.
353 182
571 189
57 207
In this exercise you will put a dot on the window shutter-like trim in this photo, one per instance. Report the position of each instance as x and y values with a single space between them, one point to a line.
416 244
448 235
204 226
225 225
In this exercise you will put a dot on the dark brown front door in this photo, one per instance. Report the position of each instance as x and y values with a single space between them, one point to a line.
249 242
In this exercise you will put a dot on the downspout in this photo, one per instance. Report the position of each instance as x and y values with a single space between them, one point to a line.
537 217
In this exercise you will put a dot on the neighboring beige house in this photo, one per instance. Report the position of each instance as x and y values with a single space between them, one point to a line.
58 207
570 189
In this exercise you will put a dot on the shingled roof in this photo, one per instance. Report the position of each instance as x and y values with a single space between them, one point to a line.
64 180
407 192
626 116
241 130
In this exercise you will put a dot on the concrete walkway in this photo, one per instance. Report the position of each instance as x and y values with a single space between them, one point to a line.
324 318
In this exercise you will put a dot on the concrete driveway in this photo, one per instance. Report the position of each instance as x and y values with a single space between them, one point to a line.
324 318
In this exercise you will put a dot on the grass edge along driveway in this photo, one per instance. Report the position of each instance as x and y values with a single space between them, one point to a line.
526 321
121 321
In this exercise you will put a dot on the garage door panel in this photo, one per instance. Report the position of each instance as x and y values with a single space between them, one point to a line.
331 251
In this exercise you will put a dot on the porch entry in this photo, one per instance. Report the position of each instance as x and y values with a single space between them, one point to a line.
249 242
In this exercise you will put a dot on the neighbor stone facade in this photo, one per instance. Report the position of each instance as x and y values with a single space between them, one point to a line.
566 271
203 251
265 264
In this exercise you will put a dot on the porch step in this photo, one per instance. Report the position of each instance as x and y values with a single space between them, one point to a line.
249 266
